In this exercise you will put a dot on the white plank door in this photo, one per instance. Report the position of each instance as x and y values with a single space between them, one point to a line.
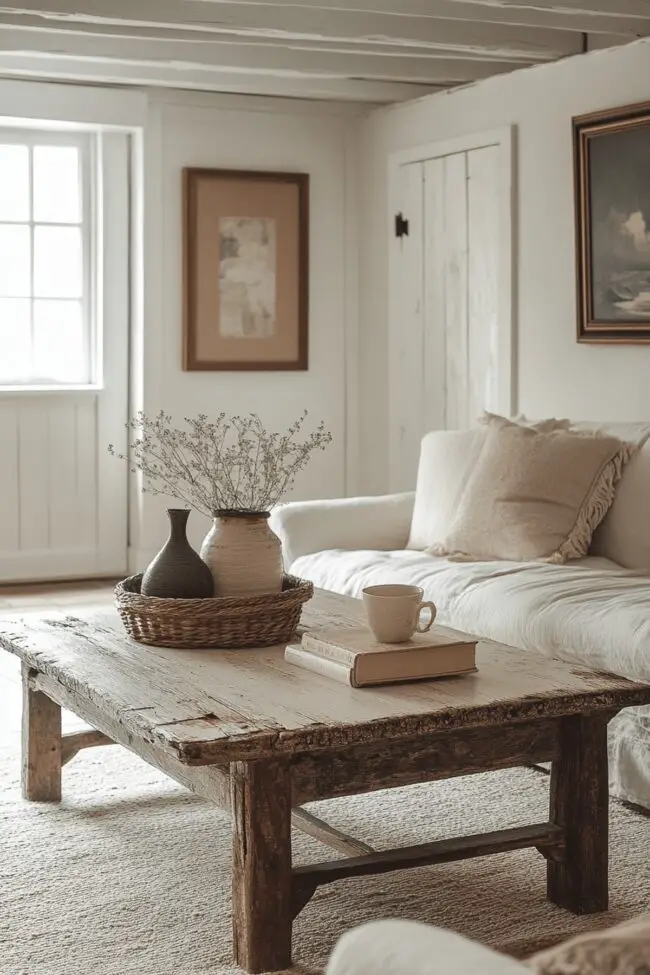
455 260
482 362
435 298
450 309
63 499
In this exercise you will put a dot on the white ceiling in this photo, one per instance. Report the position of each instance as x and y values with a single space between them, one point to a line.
363 50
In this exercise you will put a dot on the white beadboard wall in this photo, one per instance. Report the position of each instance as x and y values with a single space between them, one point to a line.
48 485
223 131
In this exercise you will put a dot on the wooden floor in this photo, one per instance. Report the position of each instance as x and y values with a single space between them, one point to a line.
41 598
59 595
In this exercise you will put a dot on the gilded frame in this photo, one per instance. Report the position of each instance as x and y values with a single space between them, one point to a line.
601 307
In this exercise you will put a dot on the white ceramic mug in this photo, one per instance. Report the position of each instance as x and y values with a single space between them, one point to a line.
394 612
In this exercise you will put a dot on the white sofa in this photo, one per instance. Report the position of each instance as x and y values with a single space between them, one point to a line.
395 947
594 612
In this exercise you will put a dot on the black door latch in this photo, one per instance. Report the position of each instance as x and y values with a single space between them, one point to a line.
401 225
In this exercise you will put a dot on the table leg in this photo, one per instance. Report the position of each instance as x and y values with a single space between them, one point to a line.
41 745
579 803
261 882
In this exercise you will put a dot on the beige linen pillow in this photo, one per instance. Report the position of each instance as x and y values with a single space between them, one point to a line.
534 495
544 426
447 459
622 950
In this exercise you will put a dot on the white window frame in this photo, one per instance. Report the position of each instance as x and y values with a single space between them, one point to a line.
89 148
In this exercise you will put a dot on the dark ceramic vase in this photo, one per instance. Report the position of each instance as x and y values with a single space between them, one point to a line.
178 572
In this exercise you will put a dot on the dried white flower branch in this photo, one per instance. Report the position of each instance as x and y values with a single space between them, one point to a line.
229 464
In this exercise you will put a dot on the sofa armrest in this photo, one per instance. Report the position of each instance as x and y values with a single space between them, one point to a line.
410 948
378 523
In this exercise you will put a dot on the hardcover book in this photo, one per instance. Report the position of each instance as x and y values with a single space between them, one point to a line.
354 657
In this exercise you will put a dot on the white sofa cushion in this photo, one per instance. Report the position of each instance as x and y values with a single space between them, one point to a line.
447 459
589 611
624 535
381 522
634 432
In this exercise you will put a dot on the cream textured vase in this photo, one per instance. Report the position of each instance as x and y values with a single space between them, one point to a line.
243 554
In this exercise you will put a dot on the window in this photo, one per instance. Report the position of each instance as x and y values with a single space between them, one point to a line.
45 259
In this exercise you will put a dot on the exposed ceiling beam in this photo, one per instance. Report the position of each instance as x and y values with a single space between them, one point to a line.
428 8
497 40
613 8
365 50
598 42
501 43
255 59
61 68
595 16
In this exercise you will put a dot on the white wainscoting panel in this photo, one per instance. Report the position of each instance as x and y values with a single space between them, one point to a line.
49 473
9 479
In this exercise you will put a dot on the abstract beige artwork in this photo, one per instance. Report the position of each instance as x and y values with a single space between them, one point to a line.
247 276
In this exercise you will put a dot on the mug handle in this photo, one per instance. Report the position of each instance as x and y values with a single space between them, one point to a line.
427 626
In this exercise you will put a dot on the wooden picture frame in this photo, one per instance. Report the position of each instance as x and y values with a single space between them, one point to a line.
612 200
245 270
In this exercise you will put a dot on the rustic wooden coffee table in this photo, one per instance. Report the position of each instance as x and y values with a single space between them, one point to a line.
261 737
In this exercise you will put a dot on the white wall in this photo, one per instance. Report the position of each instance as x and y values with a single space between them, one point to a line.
193 129
554 374
170 130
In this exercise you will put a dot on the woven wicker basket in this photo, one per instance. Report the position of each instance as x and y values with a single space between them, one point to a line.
228 621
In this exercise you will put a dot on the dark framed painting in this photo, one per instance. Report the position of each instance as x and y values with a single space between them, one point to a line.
612 191
245 243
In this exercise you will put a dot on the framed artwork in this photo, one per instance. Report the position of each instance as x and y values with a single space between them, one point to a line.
245 241
612 192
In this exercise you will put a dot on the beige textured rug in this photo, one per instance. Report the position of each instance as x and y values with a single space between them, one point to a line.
130 874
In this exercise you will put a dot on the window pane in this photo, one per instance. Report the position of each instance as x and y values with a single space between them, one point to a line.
15 340
57 262
14 261
59 349
14 182
57 188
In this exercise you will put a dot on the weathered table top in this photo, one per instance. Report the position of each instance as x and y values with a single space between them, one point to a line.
209 707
